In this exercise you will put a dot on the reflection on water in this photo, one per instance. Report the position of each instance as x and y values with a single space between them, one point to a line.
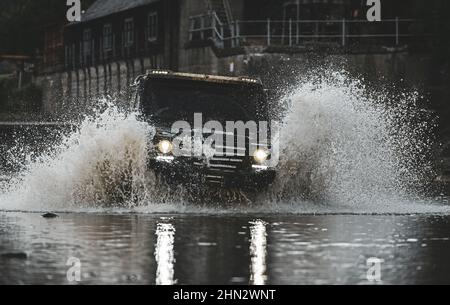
208 249
164 254
258 243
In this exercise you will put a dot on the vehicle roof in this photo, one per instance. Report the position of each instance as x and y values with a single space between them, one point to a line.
164 74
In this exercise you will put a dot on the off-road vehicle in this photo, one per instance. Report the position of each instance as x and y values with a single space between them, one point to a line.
164 98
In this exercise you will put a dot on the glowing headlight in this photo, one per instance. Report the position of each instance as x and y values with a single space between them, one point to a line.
261 155
165 147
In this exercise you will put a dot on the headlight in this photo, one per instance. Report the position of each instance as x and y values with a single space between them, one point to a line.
165 147
261 155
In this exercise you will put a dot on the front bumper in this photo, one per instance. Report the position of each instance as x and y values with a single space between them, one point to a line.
195 172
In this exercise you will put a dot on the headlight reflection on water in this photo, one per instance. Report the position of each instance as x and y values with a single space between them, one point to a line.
258 253
164 254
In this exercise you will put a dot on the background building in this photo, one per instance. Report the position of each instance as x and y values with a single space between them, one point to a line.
118 40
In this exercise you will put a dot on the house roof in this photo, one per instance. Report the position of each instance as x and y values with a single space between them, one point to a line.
102 8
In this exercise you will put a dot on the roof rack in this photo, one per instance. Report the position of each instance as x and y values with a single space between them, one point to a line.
203 77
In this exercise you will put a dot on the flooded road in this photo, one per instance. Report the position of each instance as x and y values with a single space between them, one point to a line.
226 249
352 202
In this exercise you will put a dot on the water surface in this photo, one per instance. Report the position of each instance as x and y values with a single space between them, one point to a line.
225 249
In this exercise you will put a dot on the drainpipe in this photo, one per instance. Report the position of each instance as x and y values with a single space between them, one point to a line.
21 68
297 38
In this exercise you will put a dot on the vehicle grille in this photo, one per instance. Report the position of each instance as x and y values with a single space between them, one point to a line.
221 167
231 162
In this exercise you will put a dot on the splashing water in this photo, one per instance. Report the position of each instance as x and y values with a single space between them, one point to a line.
103 163
343 144
345 149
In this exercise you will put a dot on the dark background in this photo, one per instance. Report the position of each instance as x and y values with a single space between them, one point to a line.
23 22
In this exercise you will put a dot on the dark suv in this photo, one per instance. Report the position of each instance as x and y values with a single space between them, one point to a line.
241 159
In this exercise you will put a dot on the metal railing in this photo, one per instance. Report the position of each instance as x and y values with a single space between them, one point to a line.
207 26
299 32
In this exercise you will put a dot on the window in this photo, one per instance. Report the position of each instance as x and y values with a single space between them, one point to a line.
87 42
152 26
107 37
129 32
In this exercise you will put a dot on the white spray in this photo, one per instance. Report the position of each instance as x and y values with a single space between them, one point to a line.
343 150
343 144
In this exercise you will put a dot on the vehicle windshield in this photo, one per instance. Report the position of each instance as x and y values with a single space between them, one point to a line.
166 101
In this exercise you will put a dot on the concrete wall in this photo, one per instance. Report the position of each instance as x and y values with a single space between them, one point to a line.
274 67
74 90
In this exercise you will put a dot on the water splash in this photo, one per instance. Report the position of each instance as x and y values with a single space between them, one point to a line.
103 163
345 144
345 149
